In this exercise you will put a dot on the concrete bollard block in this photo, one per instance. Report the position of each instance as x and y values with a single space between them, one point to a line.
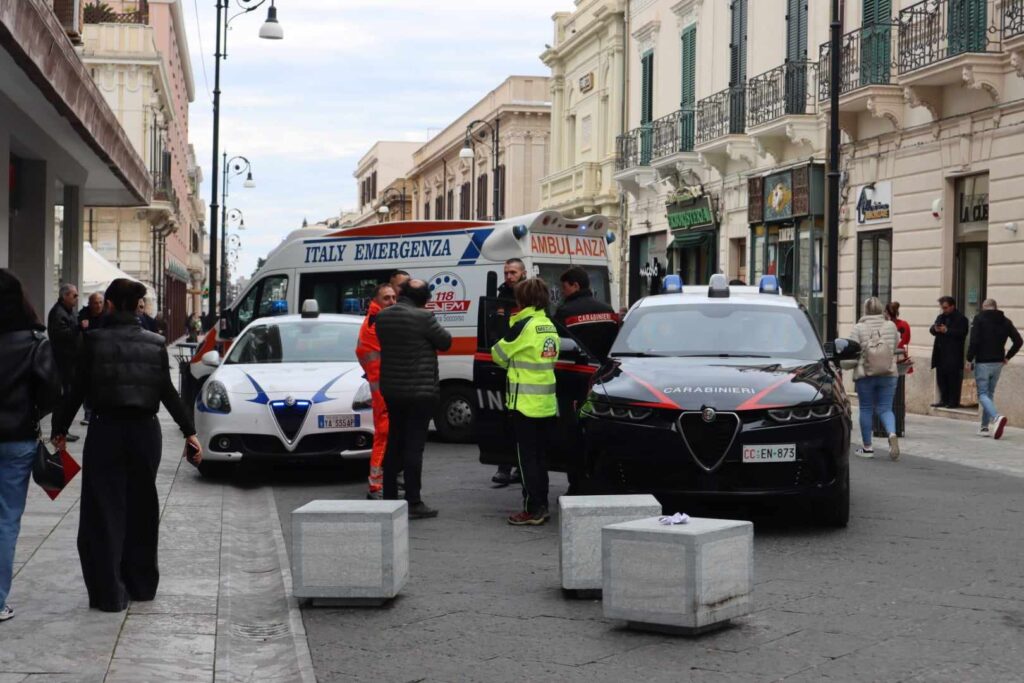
580 521
350 552
683 579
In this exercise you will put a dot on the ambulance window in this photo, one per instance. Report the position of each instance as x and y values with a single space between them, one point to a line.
268 297
341 292
552 273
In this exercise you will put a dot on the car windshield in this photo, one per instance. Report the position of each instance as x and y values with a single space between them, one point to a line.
306 341
718 331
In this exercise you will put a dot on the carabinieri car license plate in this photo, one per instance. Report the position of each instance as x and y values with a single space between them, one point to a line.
338 421
777 453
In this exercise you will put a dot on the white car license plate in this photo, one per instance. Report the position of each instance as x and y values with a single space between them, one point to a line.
777 453
338 421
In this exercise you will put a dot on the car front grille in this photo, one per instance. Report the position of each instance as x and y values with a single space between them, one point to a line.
290 417
313 444
709 441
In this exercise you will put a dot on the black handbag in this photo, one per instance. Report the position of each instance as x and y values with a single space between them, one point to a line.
48 468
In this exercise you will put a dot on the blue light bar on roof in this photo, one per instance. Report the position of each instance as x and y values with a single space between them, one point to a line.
672 284
769 284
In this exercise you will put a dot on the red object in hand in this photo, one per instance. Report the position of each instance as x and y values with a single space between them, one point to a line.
71 468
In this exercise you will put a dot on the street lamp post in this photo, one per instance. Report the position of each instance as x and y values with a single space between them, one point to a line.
385 209
235 166
271 30
467 153
835 86
232 244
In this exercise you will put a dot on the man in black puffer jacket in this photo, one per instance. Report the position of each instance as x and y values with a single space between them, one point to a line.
987 354
410 338
124 373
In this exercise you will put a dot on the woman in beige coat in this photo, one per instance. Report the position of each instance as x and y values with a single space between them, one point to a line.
875 375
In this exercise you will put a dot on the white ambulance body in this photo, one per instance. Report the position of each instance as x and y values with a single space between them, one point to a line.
341 267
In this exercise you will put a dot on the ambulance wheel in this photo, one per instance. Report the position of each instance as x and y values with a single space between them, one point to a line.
457 414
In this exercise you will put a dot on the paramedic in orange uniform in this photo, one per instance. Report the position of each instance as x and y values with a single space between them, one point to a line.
368 353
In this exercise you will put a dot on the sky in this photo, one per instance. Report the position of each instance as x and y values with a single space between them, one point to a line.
303 110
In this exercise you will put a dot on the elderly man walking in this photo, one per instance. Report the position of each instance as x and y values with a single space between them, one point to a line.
368 353
987 354
65 333
410 338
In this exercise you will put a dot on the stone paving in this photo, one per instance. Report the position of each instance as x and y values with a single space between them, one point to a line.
925 584
222 611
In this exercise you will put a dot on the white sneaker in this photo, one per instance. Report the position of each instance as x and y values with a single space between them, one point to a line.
894 447
1000 425
984 431
866 453
6 612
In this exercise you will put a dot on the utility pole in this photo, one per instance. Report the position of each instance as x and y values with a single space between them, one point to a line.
835 87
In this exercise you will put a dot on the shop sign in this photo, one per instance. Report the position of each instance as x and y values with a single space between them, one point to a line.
874 203
778 196
695 213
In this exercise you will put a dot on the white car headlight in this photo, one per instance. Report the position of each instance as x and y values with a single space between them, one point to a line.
363 399
215 395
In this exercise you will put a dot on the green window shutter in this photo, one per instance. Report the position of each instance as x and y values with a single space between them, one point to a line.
967 26
876 48
796 30
689 61
647 88
738 44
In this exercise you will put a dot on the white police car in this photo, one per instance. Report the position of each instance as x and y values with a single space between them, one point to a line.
290 388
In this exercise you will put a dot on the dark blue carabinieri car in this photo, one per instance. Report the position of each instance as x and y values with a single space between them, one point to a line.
722 392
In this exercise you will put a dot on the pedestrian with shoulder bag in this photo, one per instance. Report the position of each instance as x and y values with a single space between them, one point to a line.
29 388
875 375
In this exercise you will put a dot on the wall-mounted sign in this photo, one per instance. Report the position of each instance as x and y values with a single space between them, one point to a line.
874 203
587 82
778 196
695 213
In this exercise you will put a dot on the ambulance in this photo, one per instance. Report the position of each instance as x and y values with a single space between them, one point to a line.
461 261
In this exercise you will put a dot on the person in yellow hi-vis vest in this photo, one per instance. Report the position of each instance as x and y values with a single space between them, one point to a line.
529 352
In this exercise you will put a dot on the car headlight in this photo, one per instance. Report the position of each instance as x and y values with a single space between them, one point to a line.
597 408
805 414
363 399
215 395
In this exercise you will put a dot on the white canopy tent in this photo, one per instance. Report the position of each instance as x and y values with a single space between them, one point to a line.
98 273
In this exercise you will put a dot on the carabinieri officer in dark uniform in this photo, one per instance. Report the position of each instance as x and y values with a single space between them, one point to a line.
124 373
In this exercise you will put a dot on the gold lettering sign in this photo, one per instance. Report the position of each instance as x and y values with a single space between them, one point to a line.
587 82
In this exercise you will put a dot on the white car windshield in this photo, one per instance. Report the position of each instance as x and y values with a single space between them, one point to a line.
710 330
306 341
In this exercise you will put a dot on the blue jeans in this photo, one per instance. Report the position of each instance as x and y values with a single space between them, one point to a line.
875 395
987 377
15 468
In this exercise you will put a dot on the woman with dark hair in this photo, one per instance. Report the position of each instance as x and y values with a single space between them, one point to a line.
125 375
892 312
529 352
29 387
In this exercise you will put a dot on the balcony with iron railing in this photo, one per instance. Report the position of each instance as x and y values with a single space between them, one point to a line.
633 149
673 134
781 106
99 12
1013 26
867 76
721 115
866 56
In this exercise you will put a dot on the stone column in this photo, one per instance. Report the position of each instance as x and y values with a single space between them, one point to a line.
73 251
33 235
557 123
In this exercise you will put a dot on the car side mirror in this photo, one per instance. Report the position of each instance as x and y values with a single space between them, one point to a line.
570 352
211 359
842 349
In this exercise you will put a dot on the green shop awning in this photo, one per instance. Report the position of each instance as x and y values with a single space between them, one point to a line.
691 239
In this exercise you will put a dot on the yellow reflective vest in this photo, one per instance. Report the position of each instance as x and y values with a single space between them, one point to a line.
529 352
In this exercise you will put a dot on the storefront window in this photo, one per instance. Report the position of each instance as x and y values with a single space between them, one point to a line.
874 267
757 253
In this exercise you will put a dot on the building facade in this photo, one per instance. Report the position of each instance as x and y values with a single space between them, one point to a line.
138 54
722 167
516 124
61 147
382 171
588 71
